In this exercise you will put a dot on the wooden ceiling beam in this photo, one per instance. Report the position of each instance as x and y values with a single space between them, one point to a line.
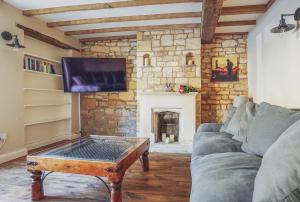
210 16
44 38
98 6
135 28
125 18
270 3
238 10
236 23
231 33
95 39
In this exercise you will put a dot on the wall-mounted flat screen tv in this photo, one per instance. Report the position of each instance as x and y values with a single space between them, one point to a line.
84 75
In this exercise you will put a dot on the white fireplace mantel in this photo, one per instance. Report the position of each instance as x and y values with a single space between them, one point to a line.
184 104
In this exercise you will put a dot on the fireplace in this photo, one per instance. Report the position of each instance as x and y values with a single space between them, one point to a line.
166 126
182 108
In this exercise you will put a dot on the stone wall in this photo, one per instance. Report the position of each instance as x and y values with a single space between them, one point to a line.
167 51
111 113
218 96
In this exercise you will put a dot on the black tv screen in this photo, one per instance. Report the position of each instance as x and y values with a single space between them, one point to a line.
82 75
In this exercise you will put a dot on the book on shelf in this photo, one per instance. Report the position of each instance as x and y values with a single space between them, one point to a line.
39 65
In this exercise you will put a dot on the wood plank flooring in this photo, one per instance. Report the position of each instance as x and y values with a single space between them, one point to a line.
167 181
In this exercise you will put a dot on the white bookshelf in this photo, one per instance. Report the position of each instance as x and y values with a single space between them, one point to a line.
46 121
47 109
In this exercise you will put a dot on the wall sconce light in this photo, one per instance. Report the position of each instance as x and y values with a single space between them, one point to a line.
14 41
284 27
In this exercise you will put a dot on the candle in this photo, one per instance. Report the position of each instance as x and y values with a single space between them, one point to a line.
172 138
163 135
167 140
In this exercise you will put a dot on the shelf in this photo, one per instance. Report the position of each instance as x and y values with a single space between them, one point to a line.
39 89
46 121
42 73
48 105
41 57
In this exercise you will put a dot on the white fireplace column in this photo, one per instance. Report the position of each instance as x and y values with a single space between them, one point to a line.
184 104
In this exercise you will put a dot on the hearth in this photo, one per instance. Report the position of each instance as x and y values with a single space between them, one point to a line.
166 126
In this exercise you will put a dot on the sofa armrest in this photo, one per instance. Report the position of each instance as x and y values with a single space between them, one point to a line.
209 127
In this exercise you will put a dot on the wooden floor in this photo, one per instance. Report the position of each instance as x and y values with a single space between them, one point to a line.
167 181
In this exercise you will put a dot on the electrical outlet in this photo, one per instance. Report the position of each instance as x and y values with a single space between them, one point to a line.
3 136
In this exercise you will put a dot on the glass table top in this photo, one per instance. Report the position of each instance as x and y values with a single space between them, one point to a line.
94 148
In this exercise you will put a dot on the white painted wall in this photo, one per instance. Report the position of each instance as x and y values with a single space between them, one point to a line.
11 75
274 61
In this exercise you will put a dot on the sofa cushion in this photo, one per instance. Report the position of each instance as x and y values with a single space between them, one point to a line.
231 111
268 124
278 178
226 177
239 100
214 142
234 124
245 121
209 127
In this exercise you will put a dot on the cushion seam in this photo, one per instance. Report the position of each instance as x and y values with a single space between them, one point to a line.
289 194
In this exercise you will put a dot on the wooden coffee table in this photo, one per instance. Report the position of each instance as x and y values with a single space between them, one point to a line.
99 156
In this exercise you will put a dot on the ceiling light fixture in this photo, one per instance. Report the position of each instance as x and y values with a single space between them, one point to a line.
284 27
14 41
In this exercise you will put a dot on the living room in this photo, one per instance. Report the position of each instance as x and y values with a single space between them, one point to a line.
170 100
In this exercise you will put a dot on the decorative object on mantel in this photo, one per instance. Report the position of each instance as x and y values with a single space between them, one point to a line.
190 60
14 41
284 27
225 68
170 87
187 89
147 61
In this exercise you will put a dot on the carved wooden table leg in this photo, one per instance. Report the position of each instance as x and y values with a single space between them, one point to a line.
116 191
37 191
115 179
145 161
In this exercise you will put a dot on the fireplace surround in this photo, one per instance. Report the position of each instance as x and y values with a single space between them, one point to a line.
150 104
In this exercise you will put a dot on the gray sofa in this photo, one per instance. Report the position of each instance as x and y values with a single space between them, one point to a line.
230 161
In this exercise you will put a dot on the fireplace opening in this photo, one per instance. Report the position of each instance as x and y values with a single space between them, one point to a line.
166 126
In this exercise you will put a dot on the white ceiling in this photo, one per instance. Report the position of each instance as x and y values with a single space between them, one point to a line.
132 11
132 24
37 4
229 3
228 18
128 11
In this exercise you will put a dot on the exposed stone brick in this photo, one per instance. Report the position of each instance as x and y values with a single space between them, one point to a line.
112 113
217 96
170 66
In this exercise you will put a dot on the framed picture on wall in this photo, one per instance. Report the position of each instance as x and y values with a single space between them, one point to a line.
225 68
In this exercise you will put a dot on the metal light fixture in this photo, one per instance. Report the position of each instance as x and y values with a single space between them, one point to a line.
14 41
284 27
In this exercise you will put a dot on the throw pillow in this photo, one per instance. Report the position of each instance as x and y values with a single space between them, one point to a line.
234 124
227 119
278 178
268 124
239 100
245 121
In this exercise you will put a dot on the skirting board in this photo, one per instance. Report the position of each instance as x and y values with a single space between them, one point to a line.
13 155
44 142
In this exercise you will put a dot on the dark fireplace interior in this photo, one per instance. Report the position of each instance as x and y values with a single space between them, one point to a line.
166 124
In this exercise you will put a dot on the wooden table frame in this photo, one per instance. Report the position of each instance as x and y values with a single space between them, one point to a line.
114 171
